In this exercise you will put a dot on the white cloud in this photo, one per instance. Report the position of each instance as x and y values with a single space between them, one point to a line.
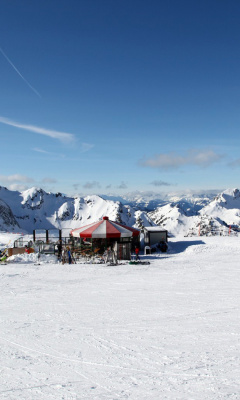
62 136
17 186
202 158
16 178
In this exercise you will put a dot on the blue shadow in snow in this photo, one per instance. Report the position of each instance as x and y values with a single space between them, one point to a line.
173 248
179 247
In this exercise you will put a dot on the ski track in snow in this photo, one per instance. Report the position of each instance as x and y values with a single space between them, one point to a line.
169 330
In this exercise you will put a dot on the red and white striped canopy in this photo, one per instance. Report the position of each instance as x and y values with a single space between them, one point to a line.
104 229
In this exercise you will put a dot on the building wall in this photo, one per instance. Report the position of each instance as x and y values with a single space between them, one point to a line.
152 238
156 237
18 250
123 251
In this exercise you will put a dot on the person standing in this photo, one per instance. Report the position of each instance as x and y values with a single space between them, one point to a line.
69 256
27 250
64 254
59 248
137 253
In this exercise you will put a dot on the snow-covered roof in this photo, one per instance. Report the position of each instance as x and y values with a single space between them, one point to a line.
155 229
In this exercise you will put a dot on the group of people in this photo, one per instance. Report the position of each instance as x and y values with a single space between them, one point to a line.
64 254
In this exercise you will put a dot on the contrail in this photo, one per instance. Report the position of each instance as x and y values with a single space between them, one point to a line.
19 73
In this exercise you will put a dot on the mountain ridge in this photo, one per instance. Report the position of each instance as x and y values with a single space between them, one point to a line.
190 215
36 209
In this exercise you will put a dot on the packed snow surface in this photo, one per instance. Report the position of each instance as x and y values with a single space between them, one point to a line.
168 330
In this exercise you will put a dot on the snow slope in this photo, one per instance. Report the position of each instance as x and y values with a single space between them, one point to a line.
168 330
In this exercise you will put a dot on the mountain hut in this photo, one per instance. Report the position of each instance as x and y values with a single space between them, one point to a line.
154 235
104 234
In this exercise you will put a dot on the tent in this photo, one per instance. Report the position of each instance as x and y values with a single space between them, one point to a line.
105 229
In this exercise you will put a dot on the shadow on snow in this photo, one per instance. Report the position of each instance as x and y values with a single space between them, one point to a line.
180 247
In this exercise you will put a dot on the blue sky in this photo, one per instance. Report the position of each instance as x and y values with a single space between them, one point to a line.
102 96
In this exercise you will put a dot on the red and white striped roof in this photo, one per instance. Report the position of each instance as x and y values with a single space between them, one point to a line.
104 229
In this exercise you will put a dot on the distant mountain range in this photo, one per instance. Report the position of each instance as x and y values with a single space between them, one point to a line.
149 201
181 215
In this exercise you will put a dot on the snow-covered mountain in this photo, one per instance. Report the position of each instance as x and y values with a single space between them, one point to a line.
190 215
201 216
171 217
37 209
227 204
7 219
137 201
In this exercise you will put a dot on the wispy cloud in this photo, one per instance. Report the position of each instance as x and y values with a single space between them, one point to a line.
48 180
86 147
19 73
48 153
122 185
92 185
201 158
76 186
160 183
235 163
62 136
41 151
